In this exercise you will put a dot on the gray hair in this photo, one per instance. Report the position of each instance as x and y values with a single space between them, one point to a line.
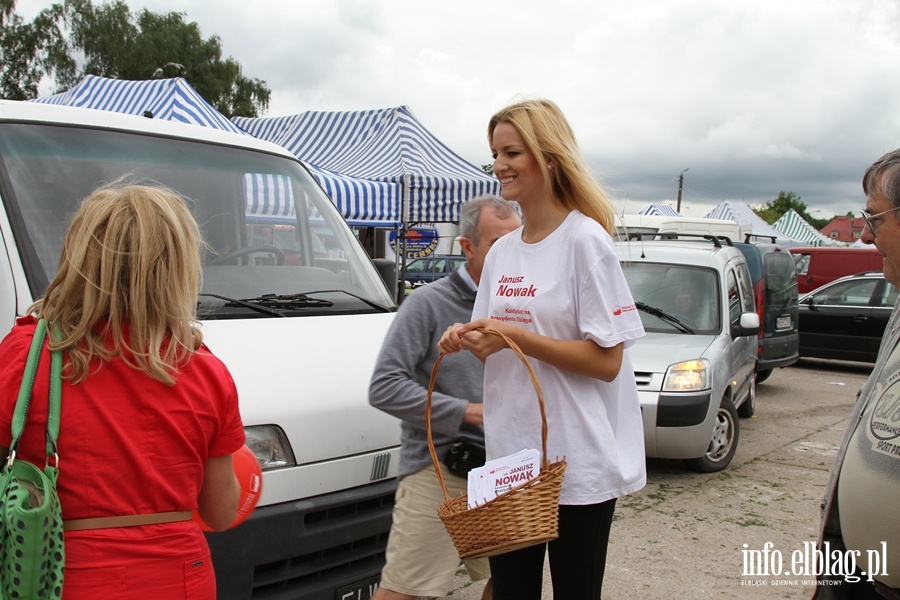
470 213
884 174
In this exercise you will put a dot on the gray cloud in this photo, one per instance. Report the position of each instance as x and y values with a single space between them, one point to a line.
754 98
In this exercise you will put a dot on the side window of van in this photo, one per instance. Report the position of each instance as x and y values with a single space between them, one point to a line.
734 299
746 286
801 262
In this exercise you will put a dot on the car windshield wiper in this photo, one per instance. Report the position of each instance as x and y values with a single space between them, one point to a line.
358 297
245 303
661 314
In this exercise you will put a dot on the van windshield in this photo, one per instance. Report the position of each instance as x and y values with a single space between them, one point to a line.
675 299
270 229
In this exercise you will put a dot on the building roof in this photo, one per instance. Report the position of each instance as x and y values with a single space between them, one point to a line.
844 229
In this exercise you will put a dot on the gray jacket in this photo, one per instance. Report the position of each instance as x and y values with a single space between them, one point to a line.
400 382
830 527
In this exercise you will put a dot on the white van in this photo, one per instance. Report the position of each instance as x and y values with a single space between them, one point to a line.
653 226
299 327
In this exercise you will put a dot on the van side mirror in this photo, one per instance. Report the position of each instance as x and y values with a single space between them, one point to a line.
748 325
388 271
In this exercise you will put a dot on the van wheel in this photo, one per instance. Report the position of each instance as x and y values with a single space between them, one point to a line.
722 444
748 408
763 375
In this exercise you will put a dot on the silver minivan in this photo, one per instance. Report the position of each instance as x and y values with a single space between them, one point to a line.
695 368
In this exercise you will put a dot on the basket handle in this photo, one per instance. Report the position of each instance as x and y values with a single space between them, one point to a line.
545 463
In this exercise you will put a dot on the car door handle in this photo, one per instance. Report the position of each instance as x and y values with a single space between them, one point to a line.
860 318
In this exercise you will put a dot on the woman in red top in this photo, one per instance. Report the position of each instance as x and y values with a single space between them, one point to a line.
149 417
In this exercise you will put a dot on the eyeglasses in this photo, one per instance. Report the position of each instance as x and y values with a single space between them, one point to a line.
873 222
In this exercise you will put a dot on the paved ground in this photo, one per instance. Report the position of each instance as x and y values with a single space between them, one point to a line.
683 536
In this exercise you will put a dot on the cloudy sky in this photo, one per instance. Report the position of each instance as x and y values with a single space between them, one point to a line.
753 98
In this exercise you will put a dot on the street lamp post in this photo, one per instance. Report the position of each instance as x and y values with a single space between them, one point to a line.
680 185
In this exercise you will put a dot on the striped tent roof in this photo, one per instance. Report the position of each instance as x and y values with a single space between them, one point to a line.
402 173
169 99
794 226
664 210
741 213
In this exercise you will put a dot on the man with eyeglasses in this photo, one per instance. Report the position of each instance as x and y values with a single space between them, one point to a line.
861 508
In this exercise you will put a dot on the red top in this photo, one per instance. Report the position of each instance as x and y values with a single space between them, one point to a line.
128 444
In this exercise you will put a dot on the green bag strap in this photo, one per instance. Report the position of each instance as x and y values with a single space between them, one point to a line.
24 397
55 397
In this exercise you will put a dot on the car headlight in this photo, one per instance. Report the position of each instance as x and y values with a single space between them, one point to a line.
688 376
270 446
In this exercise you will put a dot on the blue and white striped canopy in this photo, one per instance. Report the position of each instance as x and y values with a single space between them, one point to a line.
741 213
660 209
402 174
169 99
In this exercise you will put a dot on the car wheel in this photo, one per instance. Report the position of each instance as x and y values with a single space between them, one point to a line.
748 408
762 376
723 442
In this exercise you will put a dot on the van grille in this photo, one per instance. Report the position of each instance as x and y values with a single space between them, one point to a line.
642 378
305 549
339 563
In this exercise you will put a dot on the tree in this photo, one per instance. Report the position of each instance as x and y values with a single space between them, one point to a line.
774 209
22 49
488 168
78 38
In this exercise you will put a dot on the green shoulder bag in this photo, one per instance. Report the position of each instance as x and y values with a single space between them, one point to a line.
32 555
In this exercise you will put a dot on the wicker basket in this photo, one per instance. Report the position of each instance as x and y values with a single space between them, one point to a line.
523 516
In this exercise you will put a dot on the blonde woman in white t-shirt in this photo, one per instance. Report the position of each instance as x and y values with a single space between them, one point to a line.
555 287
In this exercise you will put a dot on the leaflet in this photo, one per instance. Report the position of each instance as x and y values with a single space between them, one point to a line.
501 475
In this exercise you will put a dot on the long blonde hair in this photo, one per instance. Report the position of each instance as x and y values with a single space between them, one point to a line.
549 137
127 283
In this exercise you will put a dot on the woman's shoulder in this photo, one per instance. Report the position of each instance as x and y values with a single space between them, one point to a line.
582 229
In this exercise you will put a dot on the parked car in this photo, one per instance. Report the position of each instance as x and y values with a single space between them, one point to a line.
818 266
695 368
845 319
431 268
777 303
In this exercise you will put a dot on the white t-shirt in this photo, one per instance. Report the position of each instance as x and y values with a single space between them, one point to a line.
567 286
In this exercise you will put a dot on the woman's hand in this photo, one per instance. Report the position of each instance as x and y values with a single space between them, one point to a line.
466 337
481 344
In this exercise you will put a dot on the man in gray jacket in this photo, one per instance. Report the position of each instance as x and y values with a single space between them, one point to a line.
859 539
421 558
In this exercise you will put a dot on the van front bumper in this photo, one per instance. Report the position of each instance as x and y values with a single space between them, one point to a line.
305 549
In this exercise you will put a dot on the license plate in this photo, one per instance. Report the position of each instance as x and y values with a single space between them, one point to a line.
361 590
782 323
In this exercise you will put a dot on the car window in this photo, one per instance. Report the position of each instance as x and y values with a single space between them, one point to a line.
746 288
734 299
781 280
856 292
801 263
458 262
420 265
888 296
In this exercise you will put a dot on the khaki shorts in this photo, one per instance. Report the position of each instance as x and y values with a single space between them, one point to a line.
421 558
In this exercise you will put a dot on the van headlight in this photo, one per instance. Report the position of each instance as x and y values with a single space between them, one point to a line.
688 376
270 446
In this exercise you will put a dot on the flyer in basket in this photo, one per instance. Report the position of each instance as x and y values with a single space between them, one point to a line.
501 475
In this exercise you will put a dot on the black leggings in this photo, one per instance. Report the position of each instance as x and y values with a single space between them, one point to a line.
577 558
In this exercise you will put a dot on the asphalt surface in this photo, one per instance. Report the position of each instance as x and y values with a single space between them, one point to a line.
684 534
